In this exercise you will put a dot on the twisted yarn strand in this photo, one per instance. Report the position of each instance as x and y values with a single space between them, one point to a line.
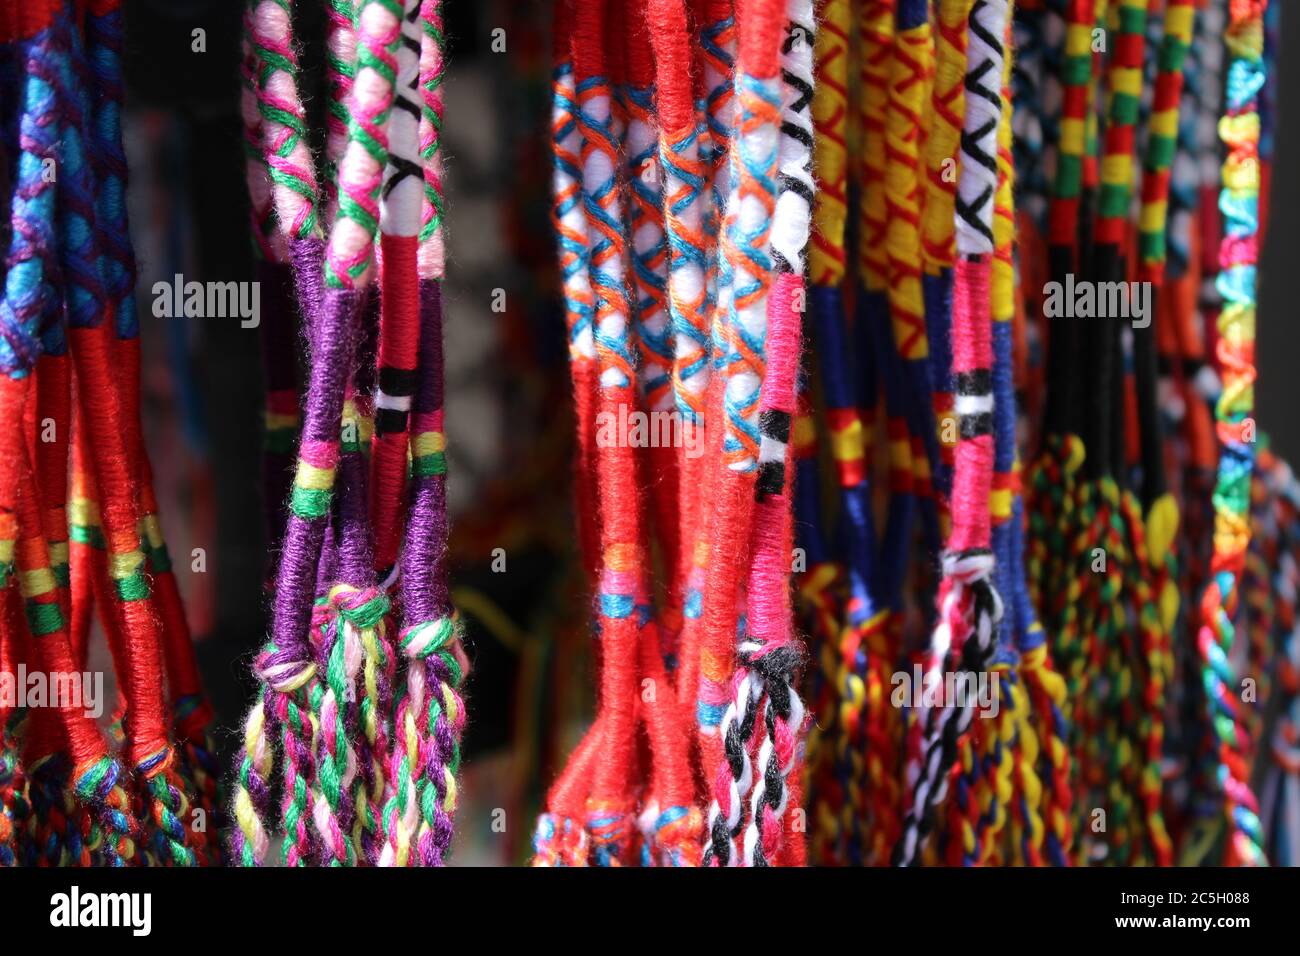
1239 129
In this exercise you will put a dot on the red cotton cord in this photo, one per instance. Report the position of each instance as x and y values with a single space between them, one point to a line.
53 652
94 590
399 342
621 542
85 561
43 734
759 26
53 425
661 473
110 466
582 367
674 72
669 741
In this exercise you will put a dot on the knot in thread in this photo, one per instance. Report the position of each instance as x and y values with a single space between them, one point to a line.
968 567
361 607
284 671
429 637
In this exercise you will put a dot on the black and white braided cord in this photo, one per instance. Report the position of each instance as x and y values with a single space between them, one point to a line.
972 573
738 723
970 598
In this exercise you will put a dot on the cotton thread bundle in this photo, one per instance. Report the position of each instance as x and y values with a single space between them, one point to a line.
937 251
666 821
670 822
885 112
348 261
399 225
41 803
1196 450
284 129
607 811
340 61
1063 215
95 774
648 287
875 43
819 586
354 649
826 255
349 633
998 747
294 191
746 247
1030 75
1260 606
970 608
431 633
293 690
92 319
684 159
769 650
345 626
432 250
53 410
1195 235
1106 19
1239 131
1039 33
396 784
32 202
